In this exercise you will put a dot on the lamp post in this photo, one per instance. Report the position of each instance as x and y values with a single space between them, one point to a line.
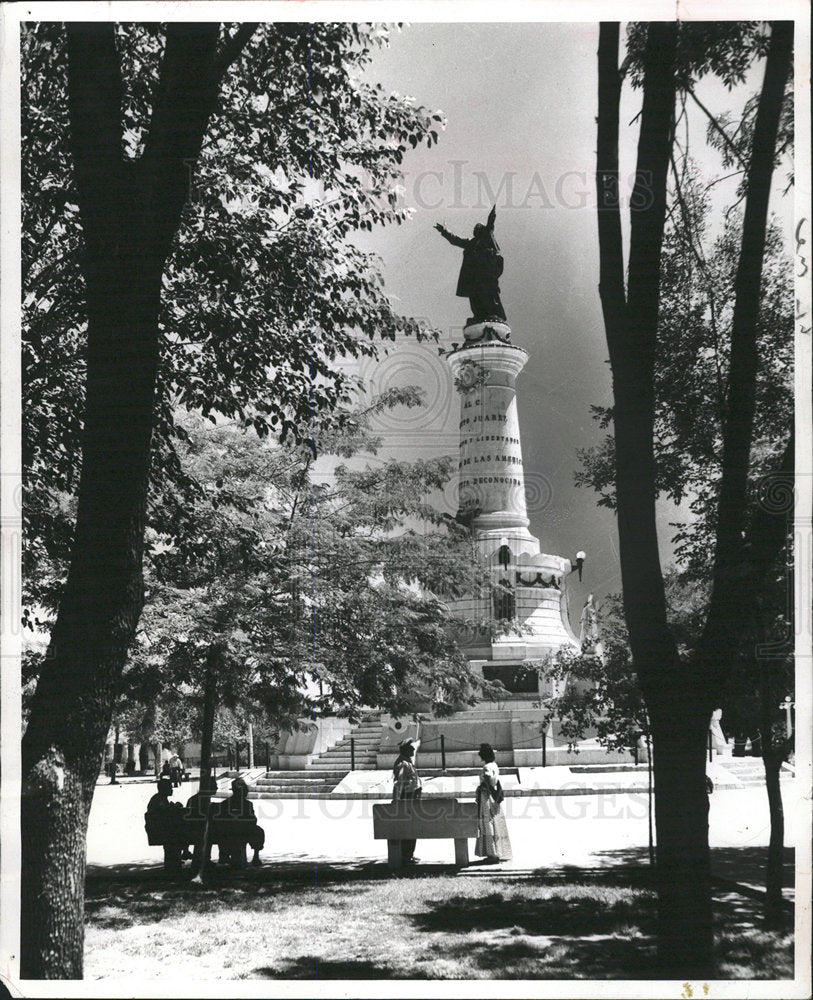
787 704
113 779
580 557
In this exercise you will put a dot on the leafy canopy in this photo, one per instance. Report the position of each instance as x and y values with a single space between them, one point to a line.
264 289
318 593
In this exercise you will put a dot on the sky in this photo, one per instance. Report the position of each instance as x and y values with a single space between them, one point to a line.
520 101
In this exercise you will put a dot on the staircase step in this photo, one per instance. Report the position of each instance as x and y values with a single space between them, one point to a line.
358 743
346 764
294 786
262 782
357 749
337 763
301 773
361 765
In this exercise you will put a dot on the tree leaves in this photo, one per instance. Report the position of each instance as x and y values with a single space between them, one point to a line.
265 289
691 362
725 48
319 593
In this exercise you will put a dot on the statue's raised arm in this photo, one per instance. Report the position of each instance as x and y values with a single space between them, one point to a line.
492 217
456 241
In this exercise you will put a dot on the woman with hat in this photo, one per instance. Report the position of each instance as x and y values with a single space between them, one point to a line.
407 786
493 843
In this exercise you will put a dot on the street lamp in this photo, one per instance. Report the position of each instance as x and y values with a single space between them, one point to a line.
787 704
580 557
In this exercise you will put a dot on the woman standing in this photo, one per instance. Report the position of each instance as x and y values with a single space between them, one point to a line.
407 786
492 831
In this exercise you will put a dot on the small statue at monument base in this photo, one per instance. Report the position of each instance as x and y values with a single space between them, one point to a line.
718 739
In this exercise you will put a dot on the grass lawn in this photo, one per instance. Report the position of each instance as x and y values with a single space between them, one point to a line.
299 922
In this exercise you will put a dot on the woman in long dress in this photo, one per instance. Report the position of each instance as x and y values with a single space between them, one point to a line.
493 842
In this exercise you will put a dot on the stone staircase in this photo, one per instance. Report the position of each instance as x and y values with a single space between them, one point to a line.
277 784
367 738
326 770
750 770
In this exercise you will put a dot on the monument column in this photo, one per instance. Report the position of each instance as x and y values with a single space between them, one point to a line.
492 484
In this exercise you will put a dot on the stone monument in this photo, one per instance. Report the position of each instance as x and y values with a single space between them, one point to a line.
527 584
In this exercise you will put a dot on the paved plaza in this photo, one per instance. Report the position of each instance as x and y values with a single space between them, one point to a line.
547 830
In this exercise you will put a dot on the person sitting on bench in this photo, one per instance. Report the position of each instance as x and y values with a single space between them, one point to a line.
171 816
200 806
238 806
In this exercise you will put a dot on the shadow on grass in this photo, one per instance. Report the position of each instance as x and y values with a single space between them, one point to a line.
747 864
120 906
567 922
531 928
738 864
312 967
589 932
746 947
593 957
571 916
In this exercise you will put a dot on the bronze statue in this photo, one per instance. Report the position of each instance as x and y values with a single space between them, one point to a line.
480 271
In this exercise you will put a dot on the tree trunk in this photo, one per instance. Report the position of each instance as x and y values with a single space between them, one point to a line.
677 709
72 706
681 822
113 778
774 872
130 213
772 758
679 696
650 790
209 708
738 572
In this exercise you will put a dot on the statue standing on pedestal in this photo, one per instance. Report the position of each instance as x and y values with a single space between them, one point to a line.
480 271
588 628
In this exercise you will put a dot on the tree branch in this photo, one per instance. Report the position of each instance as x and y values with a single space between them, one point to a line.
632 335
709 282
718 128
94 104
185 99
233 46
744 363
648 205
611 249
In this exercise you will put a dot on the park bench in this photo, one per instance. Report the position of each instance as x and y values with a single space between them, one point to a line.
174 833
430 818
